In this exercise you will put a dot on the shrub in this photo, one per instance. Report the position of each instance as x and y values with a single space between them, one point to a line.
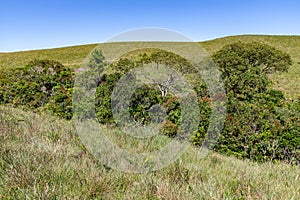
169 128
42 83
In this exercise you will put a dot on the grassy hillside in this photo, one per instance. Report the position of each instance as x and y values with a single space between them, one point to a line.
68 56
73 55
288 82
42 158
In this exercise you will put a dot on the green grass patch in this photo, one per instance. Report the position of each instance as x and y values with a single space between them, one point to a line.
41 157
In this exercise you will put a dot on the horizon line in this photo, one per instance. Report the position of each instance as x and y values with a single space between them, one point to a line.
95 43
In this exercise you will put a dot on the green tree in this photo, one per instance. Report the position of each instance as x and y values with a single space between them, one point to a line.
245 67
256 126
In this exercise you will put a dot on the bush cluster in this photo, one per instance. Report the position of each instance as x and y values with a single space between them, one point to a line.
43 85
260 123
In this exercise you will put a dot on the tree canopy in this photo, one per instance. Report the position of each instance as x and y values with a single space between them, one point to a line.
245 67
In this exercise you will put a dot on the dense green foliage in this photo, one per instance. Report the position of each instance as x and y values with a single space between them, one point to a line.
41 85
260 124
256 127
147 96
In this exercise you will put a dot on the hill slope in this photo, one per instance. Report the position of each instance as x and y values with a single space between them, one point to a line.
73 55
288 82
41 157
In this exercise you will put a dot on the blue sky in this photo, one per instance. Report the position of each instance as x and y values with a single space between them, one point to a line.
38 24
